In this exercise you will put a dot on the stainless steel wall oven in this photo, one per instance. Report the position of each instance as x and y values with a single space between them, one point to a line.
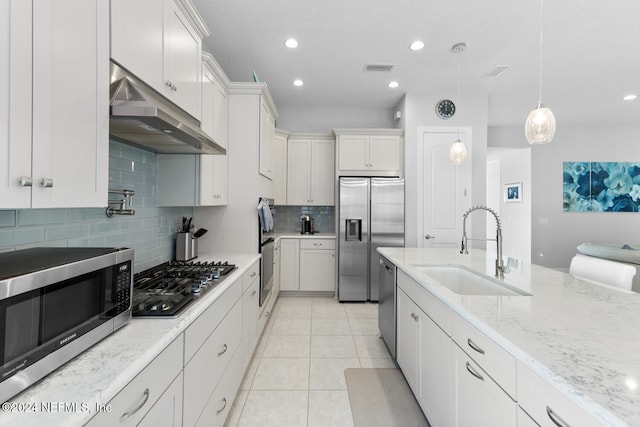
266 243
54 304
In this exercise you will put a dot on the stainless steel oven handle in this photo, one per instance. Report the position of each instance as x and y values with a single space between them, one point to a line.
127 414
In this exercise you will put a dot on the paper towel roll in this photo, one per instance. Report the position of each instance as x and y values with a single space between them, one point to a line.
602 271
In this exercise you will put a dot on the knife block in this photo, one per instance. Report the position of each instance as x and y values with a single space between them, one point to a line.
186 247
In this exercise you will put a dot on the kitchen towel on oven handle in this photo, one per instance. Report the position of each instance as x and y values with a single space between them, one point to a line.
264 214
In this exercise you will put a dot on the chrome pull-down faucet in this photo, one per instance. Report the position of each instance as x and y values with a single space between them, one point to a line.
463 250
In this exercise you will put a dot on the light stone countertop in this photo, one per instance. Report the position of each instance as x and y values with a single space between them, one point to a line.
581 337
98 374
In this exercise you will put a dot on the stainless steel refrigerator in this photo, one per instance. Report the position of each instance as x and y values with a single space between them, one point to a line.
371 212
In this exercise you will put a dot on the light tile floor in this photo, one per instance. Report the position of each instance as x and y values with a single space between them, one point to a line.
296 376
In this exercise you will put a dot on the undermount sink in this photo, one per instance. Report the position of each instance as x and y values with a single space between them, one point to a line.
465 282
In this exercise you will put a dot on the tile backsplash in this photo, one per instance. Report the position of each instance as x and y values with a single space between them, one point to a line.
288 218
150 232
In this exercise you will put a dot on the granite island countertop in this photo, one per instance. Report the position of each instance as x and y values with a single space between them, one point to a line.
74 391
581 337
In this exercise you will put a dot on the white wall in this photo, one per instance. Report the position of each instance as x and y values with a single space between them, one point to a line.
513 165
323 120
234 228
418 110
555 234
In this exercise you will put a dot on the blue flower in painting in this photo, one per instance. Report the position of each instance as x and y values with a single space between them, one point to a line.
635 192
618 182
579 168
624 204
605 199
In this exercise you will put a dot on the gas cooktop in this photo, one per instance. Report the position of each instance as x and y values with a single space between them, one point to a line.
166 289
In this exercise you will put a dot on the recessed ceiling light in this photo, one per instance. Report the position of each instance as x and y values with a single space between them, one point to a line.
291 43
630 97
298 82
416 45
393 84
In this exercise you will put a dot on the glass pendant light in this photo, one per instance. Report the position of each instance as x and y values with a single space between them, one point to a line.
541 123
458 151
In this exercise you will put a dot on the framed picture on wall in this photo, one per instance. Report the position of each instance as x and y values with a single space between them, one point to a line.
513 192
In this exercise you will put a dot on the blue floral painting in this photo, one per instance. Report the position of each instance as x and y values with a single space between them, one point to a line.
601 186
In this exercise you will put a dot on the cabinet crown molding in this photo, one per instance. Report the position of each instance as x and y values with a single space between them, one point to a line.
250 88
216 69
194 17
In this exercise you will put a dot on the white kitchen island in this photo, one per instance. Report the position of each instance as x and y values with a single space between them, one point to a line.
574 337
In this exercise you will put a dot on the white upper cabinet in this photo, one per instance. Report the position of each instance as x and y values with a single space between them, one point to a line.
280 167
15 102
213 180
310 171
55 145
215 101
267 130
161 43
375 152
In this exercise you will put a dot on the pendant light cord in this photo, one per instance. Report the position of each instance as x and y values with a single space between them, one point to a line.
540 55
458 91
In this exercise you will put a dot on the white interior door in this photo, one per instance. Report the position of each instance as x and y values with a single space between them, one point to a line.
445 192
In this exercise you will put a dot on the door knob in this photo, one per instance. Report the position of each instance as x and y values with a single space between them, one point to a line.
429 236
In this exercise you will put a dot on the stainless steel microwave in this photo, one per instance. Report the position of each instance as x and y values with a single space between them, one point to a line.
54 304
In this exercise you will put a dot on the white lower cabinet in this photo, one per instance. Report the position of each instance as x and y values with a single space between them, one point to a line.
424 353
524 420
250 311
546 404
318 265
168 409
308 265
136 401
479 400
290 264
203 372
217 409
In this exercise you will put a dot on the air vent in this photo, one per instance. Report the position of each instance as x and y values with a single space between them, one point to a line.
378 67
496 71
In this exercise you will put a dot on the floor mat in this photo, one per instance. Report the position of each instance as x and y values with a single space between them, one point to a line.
382 398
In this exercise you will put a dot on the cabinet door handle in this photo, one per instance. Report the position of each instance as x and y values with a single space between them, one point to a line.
224 350
475 346
253 274
556 419
267 314
414 316
26 181
474 372
127 414
47 182
224 405
253 293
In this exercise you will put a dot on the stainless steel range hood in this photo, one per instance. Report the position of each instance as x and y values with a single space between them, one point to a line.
141 116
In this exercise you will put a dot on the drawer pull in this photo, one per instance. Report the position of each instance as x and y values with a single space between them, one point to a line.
26 181
474 372
224 405
317 244
127 414
224 350
474 346
556 419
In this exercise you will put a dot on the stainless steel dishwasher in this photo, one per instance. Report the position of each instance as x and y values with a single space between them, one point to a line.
387 304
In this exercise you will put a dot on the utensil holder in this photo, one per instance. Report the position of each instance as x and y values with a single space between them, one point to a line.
186 247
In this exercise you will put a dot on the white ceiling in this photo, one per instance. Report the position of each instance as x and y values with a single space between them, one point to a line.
591 52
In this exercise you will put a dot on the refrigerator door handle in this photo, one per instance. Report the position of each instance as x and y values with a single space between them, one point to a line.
353 229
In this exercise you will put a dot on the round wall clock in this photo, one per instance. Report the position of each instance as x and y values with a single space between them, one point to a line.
445 109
